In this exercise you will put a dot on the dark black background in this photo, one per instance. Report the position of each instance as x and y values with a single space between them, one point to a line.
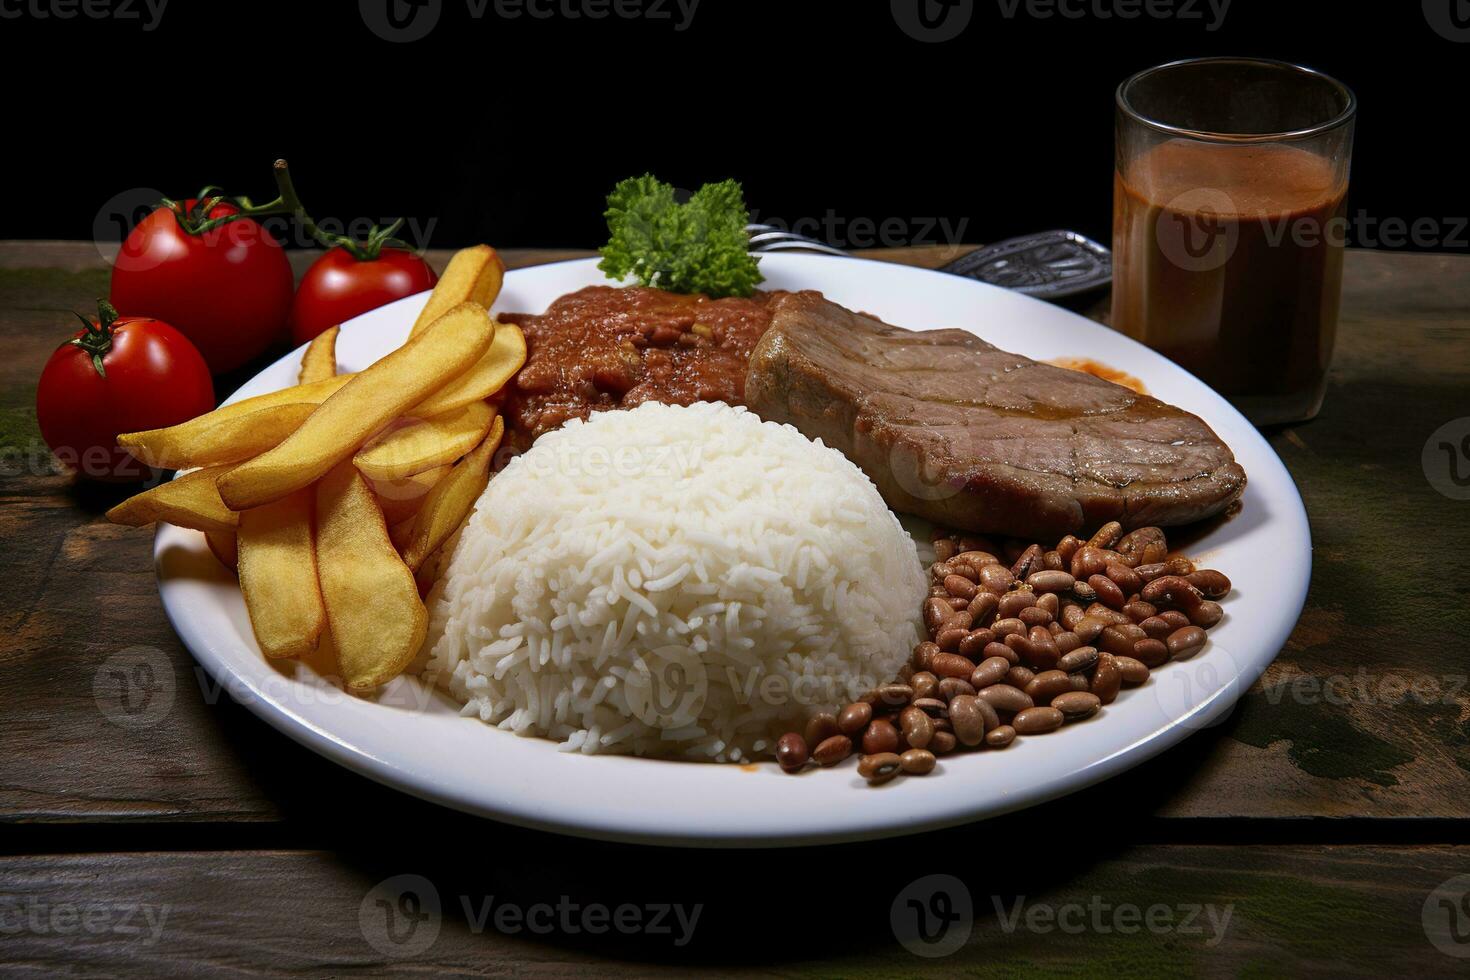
512 131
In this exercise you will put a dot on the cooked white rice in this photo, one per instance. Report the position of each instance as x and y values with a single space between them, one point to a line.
673 581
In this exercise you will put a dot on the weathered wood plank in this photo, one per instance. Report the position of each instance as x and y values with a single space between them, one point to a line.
1354 720
1154 911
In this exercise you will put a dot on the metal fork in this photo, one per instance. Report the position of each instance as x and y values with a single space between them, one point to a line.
769 238
1049 265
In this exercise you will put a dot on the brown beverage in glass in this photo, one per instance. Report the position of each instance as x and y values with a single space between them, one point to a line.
1228 206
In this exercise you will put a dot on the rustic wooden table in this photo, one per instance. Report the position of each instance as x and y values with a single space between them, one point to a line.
150 824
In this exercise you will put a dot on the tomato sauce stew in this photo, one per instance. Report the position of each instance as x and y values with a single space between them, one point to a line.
605 347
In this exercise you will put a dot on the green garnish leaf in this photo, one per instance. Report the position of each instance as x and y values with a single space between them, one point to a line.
697 247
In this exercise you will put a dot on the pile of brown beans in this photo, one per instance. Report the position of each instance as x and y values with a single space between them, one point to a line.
1023 639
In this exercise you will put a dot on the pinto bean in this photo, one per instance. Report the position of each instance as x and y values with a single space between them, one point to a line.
1080 659
950 637
1047 685
1088 561
1213 584
991 671
936 612
1157 627
974 644
1132 671
1107 678
1034 616
951 665
996 579
917 727
982 608
832 750
960 586
952 687
1138 610
1006 699
1012 603
791 752
1077 705
1206 614
1037 721
820 727
1050 581
1029 560
1186 642
1106 536
1144 545
1019 677
1124 577
1107 591
1171 592
1153 653
1000 736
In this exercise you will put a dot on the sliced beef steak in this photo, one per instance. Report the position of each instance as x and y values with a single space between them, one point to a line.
955 430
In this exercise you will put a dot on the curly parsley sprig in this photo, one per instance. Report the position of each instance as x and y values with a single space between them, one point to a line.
699 246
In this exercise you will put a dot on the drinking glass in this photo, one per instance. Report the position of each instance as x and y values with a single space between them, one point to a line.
1229 218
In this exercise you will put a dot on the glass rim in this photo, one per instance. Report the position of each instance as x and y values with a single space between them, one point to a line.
1350 103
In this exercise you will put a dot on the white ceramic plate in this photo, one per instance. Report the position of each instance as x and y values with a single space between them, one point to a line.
413 739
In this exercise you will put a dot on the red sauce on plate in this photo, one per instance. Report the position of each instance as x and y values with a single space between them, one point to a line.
605 347
1100 370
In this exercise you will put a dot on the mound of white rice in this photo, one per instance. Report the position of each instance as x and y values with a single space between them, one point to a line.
673 581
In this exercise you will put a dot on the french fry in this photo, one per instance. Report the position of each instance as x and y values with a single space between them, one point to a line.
371 399
451 500
319 361
376 617
216 438
473 275
418 444
191 500
225 548
489 374
399 500
277 567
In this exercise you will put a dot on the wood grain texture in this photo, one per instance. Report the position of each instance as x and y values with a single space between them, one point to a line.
1364 715
1153 911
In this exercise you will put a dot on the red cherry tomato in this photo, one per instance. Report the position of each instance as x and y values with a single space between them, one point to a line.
339 286
150 377
227 289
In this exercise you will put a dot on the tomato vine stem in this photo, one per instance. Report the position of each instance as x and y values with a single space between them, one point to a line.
196 220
